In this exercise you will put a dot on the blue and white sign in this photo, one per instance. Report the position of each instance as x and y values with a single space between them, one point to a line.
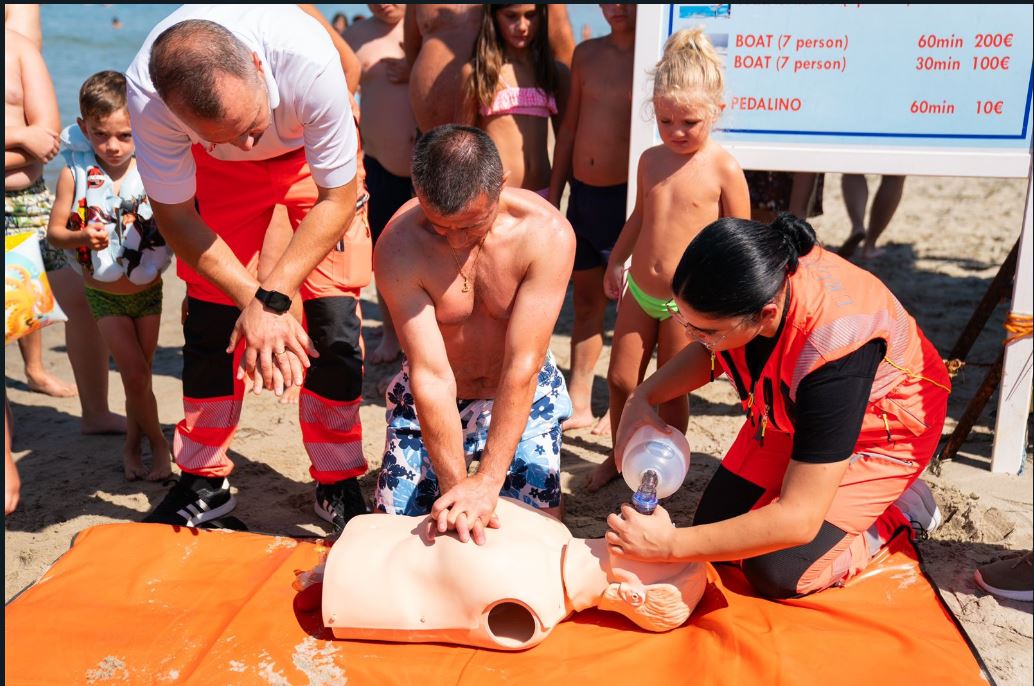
925 89
925 74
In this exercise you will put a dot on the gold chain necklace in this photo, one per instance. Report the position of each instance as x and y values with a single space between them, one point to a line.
473 267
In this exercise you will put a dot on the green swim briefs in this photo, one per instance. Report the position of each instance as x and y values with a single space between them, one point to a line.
29 210
135 306
655 307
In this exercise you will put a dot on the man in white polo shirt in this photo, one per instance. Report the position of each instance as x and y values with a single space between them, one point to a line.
236 109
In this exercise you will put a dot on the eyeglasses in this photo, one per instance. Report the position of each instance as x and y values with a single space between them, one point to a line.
708 339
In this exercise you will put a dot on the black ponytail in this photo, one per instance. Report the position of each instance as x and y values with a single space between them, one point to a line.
735 267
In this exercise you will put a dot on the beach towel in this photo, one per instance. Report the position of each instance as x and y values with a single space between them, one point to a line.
153 604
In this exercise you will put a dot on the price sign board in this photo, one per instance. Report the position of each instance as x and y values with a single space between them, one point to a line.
906 89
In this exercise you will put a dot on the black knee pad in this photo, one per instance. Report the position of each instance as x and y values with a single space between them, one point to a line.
333 326
727 495
776 575
207 368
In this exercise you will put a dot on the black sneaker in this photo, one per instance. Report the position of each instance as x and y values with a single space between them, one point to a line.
339 502
193 500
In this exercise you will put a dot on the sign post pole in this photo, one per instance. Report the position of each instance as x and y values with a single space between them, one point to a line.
1014 393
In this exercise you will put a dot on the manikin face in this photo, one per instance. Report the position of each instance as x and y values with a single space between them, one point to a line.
247 113
110 137
466 228
620 17
389 14
517 25
684 128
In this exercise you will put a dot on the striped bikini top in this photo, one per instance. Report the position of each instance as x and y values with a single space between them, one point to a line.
533 102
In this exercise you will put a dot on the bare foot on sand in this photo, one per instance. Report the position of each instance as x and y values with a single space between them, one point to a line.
105 424
133 463
49 385
161 463
387 351
602 427
604 473
851 244
871 254
579 419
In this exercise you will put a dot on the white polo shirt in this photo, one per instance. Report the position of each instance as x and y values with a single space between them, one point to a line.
307 93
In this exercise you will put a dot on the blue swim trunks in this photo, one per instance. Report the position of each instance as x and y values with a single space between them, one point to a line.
407 483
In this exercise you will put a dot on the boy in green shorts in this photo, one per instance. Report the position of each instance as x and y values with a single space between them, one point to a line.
103 220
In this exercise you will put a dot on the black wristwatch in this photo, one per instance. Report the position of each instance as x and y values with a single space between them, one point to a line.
278 302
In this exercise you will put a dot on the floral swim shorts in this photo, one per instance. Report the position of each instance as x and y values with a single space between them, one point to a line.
407 483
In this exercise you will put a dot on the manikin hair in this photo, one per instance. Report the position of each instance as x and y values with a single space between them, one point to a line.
662 609
690 71
187 57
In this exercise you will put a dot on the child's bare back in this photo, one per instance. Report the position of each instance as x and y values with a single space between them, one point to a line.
681 194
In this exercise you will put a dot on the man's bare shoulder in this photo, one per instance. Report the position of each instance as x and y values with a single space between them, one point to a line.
404 236
543 229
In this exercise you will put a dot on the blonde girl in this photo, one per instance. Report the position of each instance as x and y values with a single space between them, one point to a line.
683 185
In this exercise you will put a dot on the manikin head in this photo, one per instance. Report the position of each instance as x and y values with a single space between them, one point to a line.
660 597
656 596
212 82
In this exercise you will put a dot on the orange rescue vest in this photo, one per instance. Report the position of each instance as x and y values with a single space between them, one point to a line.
834 308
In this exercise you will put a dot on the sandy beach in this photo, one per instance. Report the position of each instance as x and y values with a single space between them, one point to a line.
942 249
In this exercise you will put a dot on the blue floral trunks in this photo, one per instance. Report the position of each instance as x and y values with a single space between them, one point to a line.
407 483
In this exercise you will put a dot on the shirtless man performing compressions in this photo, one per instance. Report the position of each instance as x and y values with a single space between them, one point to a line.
474 275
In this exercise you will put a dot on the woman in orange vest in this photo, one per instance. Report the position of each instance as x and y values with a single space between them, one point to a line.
844 397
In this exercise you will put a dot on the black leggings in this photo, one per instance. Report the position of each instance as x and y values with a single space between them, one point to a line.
776 574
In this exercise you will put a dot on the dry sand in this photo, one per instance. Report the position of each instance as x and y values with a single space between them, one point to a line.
943 248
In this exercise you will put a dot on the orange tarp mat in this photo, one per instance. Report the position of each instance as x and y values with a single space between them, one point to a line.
147 603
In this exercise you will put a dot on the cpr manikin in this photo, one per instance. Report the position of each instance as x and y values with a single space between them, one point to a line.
387 579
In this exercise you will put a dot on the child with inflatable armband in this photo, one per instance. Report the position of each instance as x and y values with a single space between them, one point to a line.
102 217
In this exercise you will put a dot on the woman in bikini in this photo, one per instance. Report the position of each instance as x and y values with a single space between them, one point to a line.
514 86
